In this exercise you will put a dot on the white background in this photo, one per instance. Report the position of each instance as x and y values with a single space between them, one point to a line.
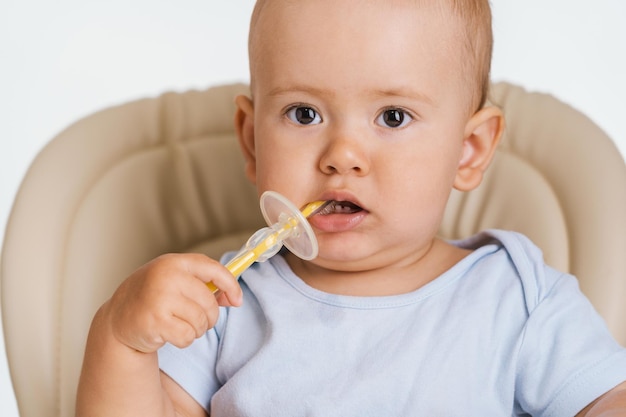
62 60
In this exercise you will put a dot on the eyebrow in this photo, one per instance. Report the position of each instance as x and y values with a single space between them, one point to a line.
278 91
404 92
400 92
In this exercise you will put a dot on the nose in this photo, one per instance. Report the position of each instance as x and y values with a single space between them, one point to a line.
345 155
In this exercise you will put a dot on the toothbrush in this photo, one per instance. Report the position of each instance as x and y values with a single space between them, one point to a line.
287 226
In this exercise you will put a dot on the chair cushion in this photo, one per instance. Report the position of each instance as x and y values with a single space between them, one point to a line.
560 180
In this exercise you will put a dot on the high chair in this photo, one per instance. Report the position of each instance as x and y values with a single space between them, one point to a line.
165 174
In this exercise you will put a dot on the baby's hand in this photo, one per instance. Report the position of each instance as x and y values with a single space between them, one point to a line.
167 300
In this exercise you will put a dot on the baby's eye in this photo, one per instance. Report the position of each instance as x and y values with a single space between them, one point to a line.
394 118
303 115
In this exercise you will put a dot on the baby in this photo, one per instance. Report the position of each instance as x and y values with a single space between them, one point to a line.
378 105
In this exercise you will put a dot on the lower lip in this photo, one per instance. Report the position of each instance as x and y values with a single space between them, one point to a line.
337 222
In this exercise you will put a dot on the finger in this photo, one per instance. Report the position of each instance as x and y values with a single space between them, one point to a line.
208 270
179 333
188 320
201 316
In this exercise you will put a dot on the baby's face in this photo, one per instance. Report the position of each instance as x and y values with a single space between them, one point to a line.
364 102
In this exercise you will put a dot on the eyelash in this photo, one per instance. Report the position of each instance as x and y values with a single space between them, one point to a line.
405 117
402 116
289 113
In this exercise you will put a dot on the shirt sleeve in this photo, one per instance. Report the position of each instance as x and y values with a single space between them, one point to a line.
193 367
567 357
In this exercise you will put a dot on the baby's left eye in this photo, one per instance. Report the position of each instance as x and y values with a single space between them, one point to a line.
393 118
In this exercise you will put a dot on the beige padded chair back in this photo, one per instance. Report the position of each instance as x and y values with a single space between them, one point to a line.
561 181
105 196
165 175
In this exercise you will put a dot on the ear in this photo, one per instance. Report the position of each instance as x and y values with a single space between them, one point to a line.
244 126
482 134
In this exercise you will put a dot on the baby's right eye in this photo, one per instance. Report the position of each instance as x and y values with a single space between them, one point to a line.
303 115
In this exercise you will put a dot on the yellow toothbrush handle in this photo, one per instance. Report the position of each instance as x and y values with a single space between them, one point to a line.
212 287
241 262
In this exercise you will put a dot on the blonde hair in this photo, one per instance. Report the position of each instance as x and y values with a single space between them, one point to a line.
477 41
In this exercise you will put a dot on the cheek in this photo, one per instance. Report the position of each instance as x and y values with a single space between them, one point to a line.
416 207
420 180
282 168
430 165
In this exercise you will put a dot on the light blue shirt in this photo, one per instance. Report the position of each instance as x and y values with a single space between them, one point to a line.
499 334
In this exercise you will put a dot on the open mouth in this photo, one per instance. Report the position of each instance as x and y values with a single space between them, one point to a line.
339 207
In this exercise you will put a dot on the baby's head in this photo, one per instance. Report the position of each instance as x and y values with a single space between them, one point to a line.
375 103
473 48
